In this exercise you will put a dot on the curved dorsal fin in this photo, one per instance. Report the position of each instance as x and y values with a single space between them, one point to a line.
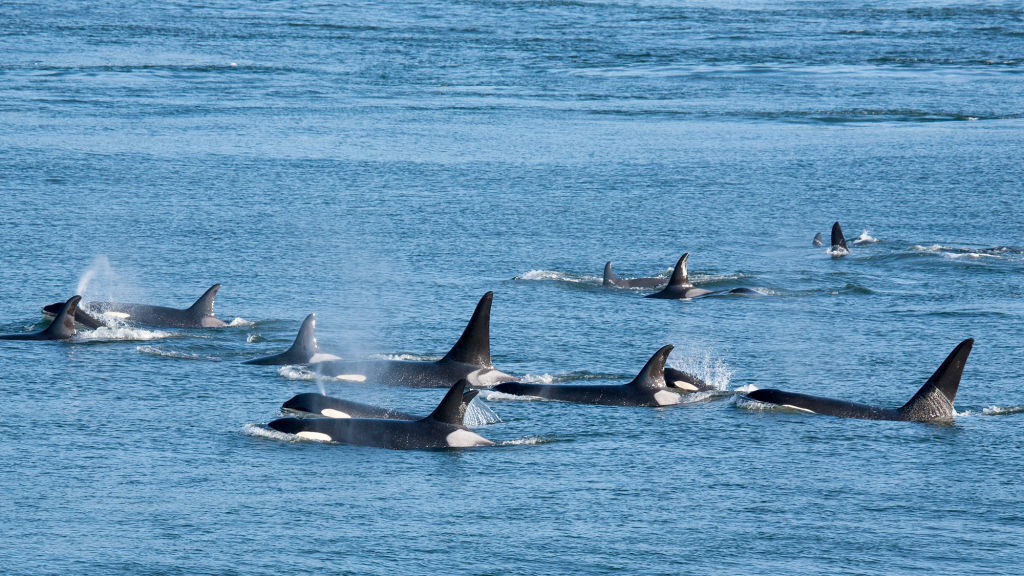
204 306
653 373
63 326
474 347
305 342
679 277
935 398
837 237
451 409
609 277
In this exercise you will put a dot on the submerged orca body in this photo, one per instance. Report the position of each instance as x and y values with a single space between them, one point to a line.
817 240
442 429
321 405
610 279
649 388
62 327
199 315
839 247
303 351
470 358
934 399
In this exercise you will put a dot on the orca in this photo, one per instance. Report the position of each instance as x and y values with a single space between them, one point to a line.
199 315
303 351
839 247
610 279
62 327
683 381
80 316
442 429
322 405
934 400
817 239
680 288
649 388
470 358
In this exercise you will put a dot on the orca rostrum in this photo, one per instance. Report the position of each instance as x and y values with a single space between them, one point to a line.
62 327
444 428
933 401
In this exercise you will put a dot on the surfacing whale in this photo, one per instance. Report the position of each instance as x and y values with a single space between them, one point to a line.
649 388
839 247
442 429
933 401
62 327
610 279
199 315
470 358
679 286
817 240
303 351
322 405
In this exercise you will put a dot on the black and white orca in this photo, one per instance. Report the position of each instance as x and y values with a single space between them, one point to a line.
303 351
839 247
933 401
62 327
680 288
199 315
442 429
610 279
817 240
322 405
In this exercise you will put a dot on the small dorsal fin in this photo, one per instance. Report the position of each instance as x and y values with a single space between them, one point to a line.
817 239
679 277
474 347
204 306
837 237
451 409
653 373
610 279
935 398
63 326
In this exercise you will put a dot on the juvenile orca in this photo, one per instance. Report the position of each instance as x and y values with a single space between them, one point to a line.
62 327
679 379
199 315
442 429
933 400
647 389
610 279
839 247
817 239
470 358
321 405
303 351
80 316
679 285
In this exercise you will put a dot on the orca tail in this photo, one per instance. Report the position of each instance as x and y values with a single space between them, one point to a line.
817 239
204 306
63 326
679 277
653 373
837 237
610 279
935 398
474 347
451 409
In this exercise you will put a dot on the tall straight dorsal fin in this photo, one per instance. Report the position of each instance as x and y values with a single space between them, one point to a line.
451 409
63 326
204 306
653 373
609 277
837 237
935 398
474 347
679 277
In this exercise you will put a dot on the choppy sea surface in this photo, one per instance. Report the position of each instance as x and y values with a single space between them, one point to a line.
386 164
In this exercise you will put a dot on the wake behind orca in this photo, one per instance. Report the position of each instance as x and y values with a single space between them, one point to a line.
62 327
199 315
442 429
934 400
470 358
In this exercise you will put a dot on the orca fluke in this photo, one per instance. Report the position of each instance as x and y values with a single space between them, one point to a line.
679 286
62 327
817 240
839 247
199 315
303 351
934 400
442 429
610 279
647 389
321 405
470 358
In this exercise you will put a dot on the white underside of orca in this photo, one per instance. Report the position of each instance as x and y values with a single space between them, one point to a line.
330 413
314 436
791 407
466 439
324 358
665 398
685 386
486 377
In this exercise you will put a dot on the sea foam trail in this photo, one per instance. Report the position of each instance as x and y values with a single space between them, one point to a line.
263 432
175 354
121 333
559 276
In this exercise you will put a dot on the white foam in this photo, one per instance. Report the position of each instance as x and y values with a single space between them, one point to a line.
478 414
495 396
172 353
865 238
293 372
241 322
118 333
253 338
535 379
932 248
746 389
998 411
264 432
839 251
404 357
701 363
526 441
559 276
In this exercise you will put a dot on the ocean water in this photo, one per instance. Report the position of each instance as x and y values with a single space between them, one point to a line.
386 164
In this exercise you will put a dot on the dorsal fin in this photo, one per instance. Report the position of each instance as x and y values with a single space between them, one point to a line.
204 306
451 409
653 373
610 279
63 326
817 239
679 277
305 342
837 237
935 398
474 347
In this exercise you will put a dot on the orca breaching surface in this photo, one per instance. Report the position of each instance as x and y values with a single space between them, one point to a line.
199 315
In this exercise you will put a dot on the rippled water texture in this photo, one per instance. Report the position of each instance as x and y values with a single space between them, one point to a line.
385 165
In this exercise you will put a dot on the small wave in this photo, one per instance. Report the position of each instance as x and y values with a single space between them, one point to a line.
865 238
241 322
695 397
478 414
969 255
255 338
745 389
174 354
494 396
561 377
292 372
932 248
552 275
404 357
259 431
117 333
998 411
525 441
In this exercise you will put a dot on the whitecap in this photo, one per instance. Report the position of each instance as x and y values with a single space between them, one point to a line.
839 251
120 333
865 238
